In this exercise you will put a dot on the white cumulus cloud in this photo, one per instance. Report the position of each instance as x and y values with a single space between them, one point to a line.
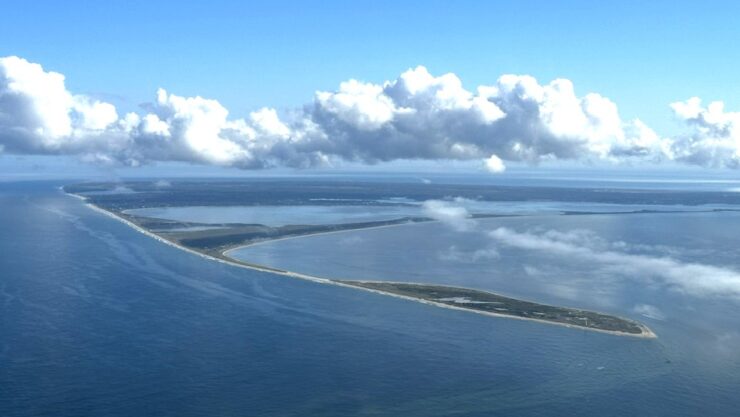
495 164
449 213
714 139
39 115
418 116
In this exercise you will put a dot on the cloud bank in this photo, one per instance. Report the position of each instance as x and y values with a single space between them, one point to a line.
416 116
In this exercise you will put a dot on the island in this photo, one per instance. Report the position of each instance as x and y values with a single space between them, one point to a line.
489 303
215 240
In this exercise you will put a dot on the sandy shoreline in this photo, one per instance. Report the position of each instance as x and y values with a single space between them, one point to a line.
646 334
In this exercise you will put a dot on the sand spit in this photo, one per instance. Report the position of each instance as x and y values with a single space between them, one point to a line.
646 332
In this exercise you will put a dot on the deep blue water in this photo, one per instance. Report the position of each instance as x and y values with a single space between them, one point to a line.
99 320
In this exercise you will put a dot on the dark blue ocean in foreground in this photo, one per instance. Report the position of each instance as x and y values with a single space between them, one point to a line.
97 319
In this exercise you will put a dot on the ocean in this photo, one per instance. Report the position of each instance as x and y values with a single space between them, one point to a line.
98 319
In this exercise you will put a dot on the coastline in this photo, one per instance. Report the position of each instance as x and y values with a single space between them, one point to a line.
646 333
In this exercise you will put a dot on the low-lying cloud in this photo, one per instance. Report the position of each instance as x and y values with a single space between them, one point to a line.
454 254
416 116
649 311
691 278
449 213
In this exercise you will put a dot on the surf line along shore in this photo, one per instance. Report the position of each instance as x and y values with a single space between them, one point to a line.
455 298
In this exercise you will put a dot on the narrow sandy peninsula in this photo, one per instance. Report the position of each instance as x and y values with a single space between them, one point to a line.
214 243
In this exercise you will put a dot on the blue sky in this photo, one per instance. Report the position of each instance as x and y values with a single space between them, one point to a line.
641 55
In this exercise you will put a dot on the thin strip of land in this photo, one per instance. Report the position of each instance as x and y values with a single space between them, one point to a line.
493 304
215 241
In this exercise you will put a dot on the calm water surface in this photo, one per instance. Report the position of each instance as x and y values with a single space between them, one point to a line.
278 215
338 214
99 320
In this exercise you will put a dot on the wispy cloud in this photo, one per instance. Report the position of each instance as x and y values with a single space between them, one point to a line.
649 311
691 278
454 254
